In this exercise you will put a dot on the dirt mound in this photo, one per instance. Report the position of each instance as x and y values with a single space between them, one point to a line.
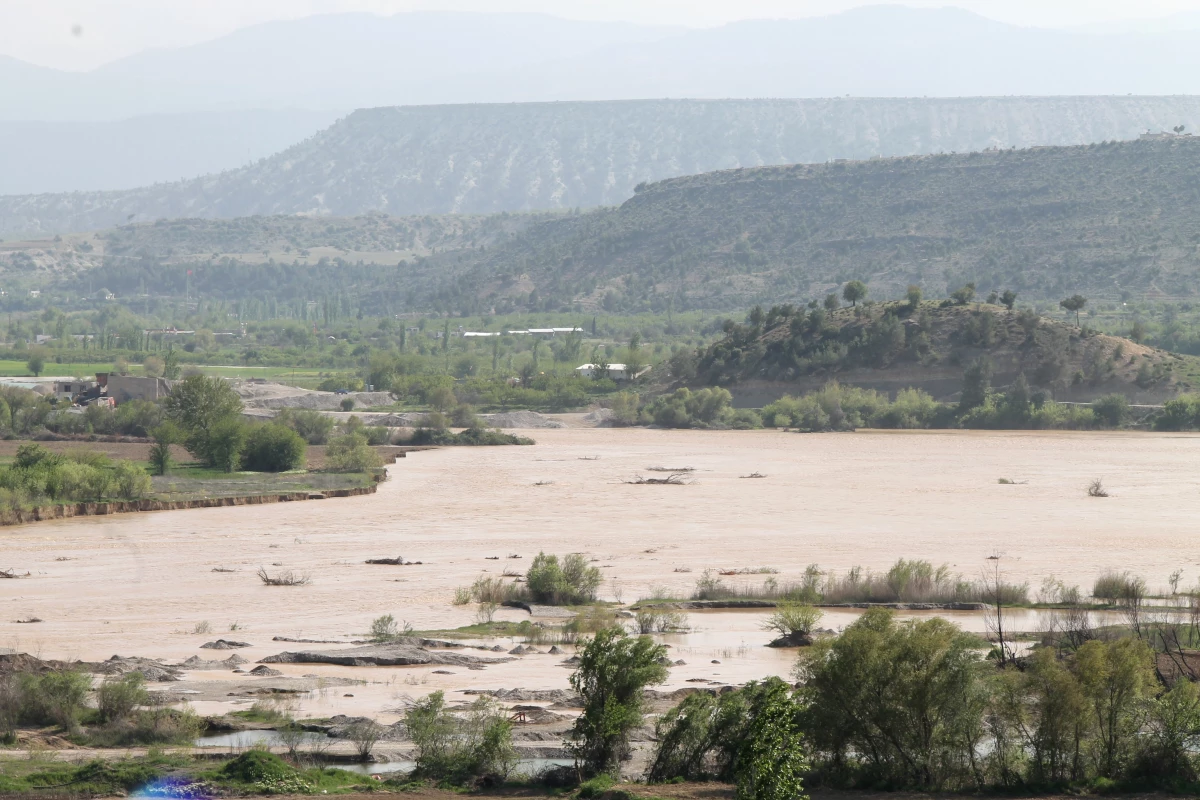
258 395
262 670
383 655
153 671
23 662
520 419
195 662
601 417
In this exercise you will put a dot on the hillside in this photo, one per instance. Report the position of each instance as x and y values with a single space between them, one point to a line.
892 346
284 258
486 159
1103 220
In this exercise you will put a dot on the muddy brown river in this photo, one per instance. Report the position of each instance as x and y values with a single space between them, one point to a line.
141 584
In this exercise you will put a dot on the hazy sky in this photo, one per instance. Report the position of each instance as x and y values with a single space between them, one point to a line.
79 34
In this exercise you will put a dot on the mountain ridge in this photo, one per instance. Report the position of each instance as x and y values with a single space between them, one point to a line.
545 156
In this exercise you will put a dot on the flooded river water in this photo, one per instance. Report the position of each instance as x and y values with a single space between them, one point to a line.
142 584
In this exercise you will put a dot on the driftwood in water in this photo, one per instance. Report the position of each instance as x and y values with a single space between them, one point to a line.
676 479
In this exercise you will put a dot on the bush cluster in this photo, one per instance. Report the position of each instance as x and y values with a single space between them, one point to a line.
571 582
208 411
915 705
705 408
460 747
37 476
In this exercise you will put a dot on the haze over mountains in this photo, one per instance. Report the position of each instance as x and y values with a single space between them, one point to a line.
521 157
360 60
337 63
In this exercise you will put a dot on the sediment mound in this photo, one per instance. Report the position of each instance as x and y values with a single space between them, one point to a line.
521 419
224 644
382 655
195 662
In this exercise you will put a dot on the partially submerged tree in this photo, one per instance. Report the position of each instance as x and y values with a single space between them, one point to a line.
614 670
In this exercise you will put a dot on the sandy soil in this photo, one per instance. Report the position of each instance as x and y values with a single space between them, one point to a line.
139 585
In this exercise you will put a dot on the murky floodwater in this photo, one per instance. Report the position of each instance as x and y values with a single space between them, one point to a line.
141 584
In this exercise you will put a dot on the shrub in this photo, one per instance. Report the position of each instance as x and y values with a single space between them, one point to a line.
378 435
794 619
117 698
255 766
54 697
384 629
456 750
1115 586
365 734
351 453
273 448
571 583
1111 410
130 481
313 426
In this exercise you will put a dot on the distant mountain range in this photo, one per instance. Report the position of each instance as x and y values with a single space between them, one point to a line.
90 156
361 60
519 157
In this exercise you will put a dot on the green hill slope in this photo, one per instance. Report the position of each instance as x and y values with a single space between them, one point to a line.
1104 220
892 346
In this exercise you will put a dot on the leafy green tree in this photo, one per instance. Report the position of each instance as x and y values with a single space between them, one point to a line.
963 295
1074 304
201 406
772 764
36 363
854 291
977 383
164 436
1117 680
614 670
171 367
905 698
913 296
1008 299
224 443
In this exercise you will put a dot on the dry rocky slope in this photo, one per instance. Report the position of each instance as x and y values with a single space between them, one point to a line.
541 156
